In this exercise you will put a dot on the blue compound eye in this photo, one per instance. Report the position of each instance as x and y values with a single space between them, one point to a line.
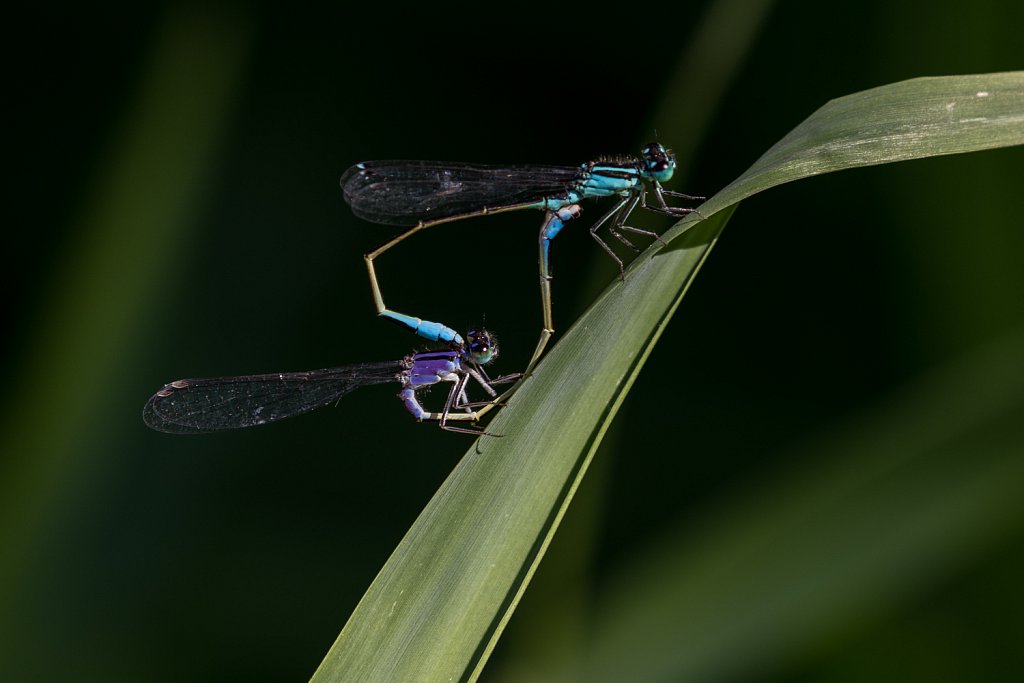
482 345
659 162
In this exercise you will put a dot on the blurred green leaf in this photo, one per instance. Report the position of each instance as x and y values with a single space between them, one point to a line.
124 243
877 511
439 604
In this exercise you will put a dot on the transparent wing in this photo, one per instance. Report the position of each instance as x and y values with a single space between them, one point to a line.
407 192
195 406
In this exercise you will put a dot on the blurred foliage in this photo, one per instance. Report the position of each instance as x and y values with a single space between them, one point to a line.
177 214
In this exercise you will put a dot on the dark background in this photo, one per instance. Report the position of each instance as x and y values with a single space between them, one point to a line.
173 211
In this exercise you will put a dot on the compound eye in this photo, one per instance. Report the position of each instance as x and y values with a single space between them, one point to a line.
482 346
654 150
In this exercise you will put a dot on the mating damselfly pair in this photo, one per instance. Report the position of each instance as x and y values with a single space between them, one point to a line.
419 195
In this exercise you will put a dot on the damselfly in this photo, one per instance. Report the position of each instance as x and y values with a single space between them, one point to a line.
421 194
193 406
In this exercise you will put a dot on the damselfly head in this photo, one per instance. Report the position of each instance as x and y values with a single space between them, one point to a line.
481 346
659 161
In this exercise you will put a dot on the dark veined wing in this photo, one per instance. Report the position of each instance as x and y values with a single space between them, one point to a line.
407 192
195 406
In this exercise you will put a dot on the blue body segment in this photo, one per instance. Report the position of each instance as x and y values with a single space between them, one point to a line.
553 224
556 203
424 328
608 181
192 406
433 367
428 369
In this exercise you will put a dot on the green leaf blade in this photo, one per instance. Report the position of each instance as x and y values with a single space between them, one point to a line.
913 119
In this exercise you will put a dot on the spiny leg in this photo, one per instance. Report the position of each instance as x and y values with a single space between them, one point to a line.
412 404
620 219
488 385
672 193
663 207
457 401
484 407
455 397
604 245
691 197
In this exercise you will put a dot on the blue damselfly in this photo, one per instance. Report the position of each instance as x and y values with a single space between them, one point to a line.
194 406
421 194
